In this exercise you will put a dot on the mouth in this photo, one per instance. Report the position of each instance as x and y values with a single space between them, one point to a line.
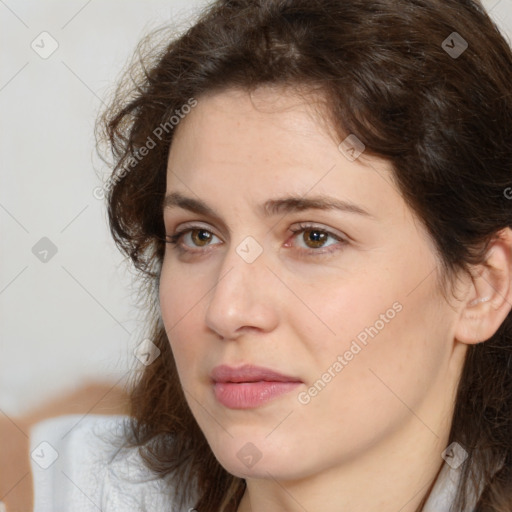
249 386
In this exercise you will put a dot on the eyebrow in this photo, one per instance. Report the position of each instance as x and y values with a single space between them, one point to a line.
271 207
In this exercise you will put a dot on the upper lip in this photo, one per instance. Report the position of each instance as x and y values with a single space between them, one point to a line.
248 373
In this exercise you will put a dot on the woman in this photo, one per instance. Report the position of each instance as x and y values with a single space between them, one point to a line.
318 196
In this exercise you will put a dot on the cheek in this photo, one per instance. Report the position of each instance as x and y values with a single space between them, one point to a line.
383 325
392 351
180 294
346 309
381 382
181 307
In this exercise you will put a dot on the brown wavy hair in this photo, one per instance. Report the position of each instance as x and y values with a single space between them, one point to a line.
443 121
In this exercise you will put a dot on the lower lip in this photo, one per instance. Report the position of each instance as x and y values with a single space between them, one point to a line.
246 395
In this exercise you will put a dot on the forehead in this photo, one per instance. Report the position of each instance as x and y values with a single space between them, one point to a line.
232 116
270 143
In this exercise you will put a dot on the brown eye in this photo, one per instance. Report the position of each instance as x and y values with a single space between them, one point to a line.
200 237
190 238
314 238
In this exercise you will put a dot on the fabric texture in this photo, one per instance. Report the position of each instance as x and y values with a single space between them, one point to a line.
79 465
89 469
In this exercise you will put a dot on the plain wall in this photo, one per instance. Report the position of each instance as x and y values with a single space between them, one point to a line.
72 318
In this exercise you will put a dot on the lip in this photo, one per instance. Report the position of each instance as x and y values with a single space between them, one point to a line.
249 386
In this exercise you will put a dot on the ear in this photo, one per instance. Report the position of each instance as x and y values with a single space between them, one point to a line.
489 299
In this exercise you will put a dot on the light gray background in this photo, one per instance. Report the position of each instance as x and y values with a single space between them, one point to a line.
71 319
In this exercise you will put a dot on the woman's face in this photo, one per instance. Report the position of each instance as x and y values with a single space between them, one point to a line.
342 302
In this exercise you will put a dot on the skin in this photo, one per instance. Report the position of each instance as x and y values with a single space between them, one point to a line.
372 438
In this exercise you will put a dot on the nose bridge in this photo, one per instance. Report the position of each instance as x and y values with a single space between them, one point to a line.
240 297
244 264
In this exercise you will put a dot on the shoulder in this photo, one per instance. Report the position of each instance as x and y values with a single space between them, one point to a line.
82 463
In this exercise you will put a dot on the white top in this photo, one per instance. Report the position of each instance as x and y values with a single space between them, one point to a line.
77 466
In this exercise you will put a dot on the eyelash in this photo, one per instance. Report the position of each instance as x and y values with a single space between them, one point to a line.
176 237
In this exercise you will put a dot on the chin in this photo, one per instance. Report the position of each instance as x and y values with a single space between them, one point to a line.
261 459
262 469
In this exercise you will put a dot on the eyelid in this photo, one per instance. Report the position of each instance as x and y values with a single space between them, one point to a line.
303 226
194 225
183 227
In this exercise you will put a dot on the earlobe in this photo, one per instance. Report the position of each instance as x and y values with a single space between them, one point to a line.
489 299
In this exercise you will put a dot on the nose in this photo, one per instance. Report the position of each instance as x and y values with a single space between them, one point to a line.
241 300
